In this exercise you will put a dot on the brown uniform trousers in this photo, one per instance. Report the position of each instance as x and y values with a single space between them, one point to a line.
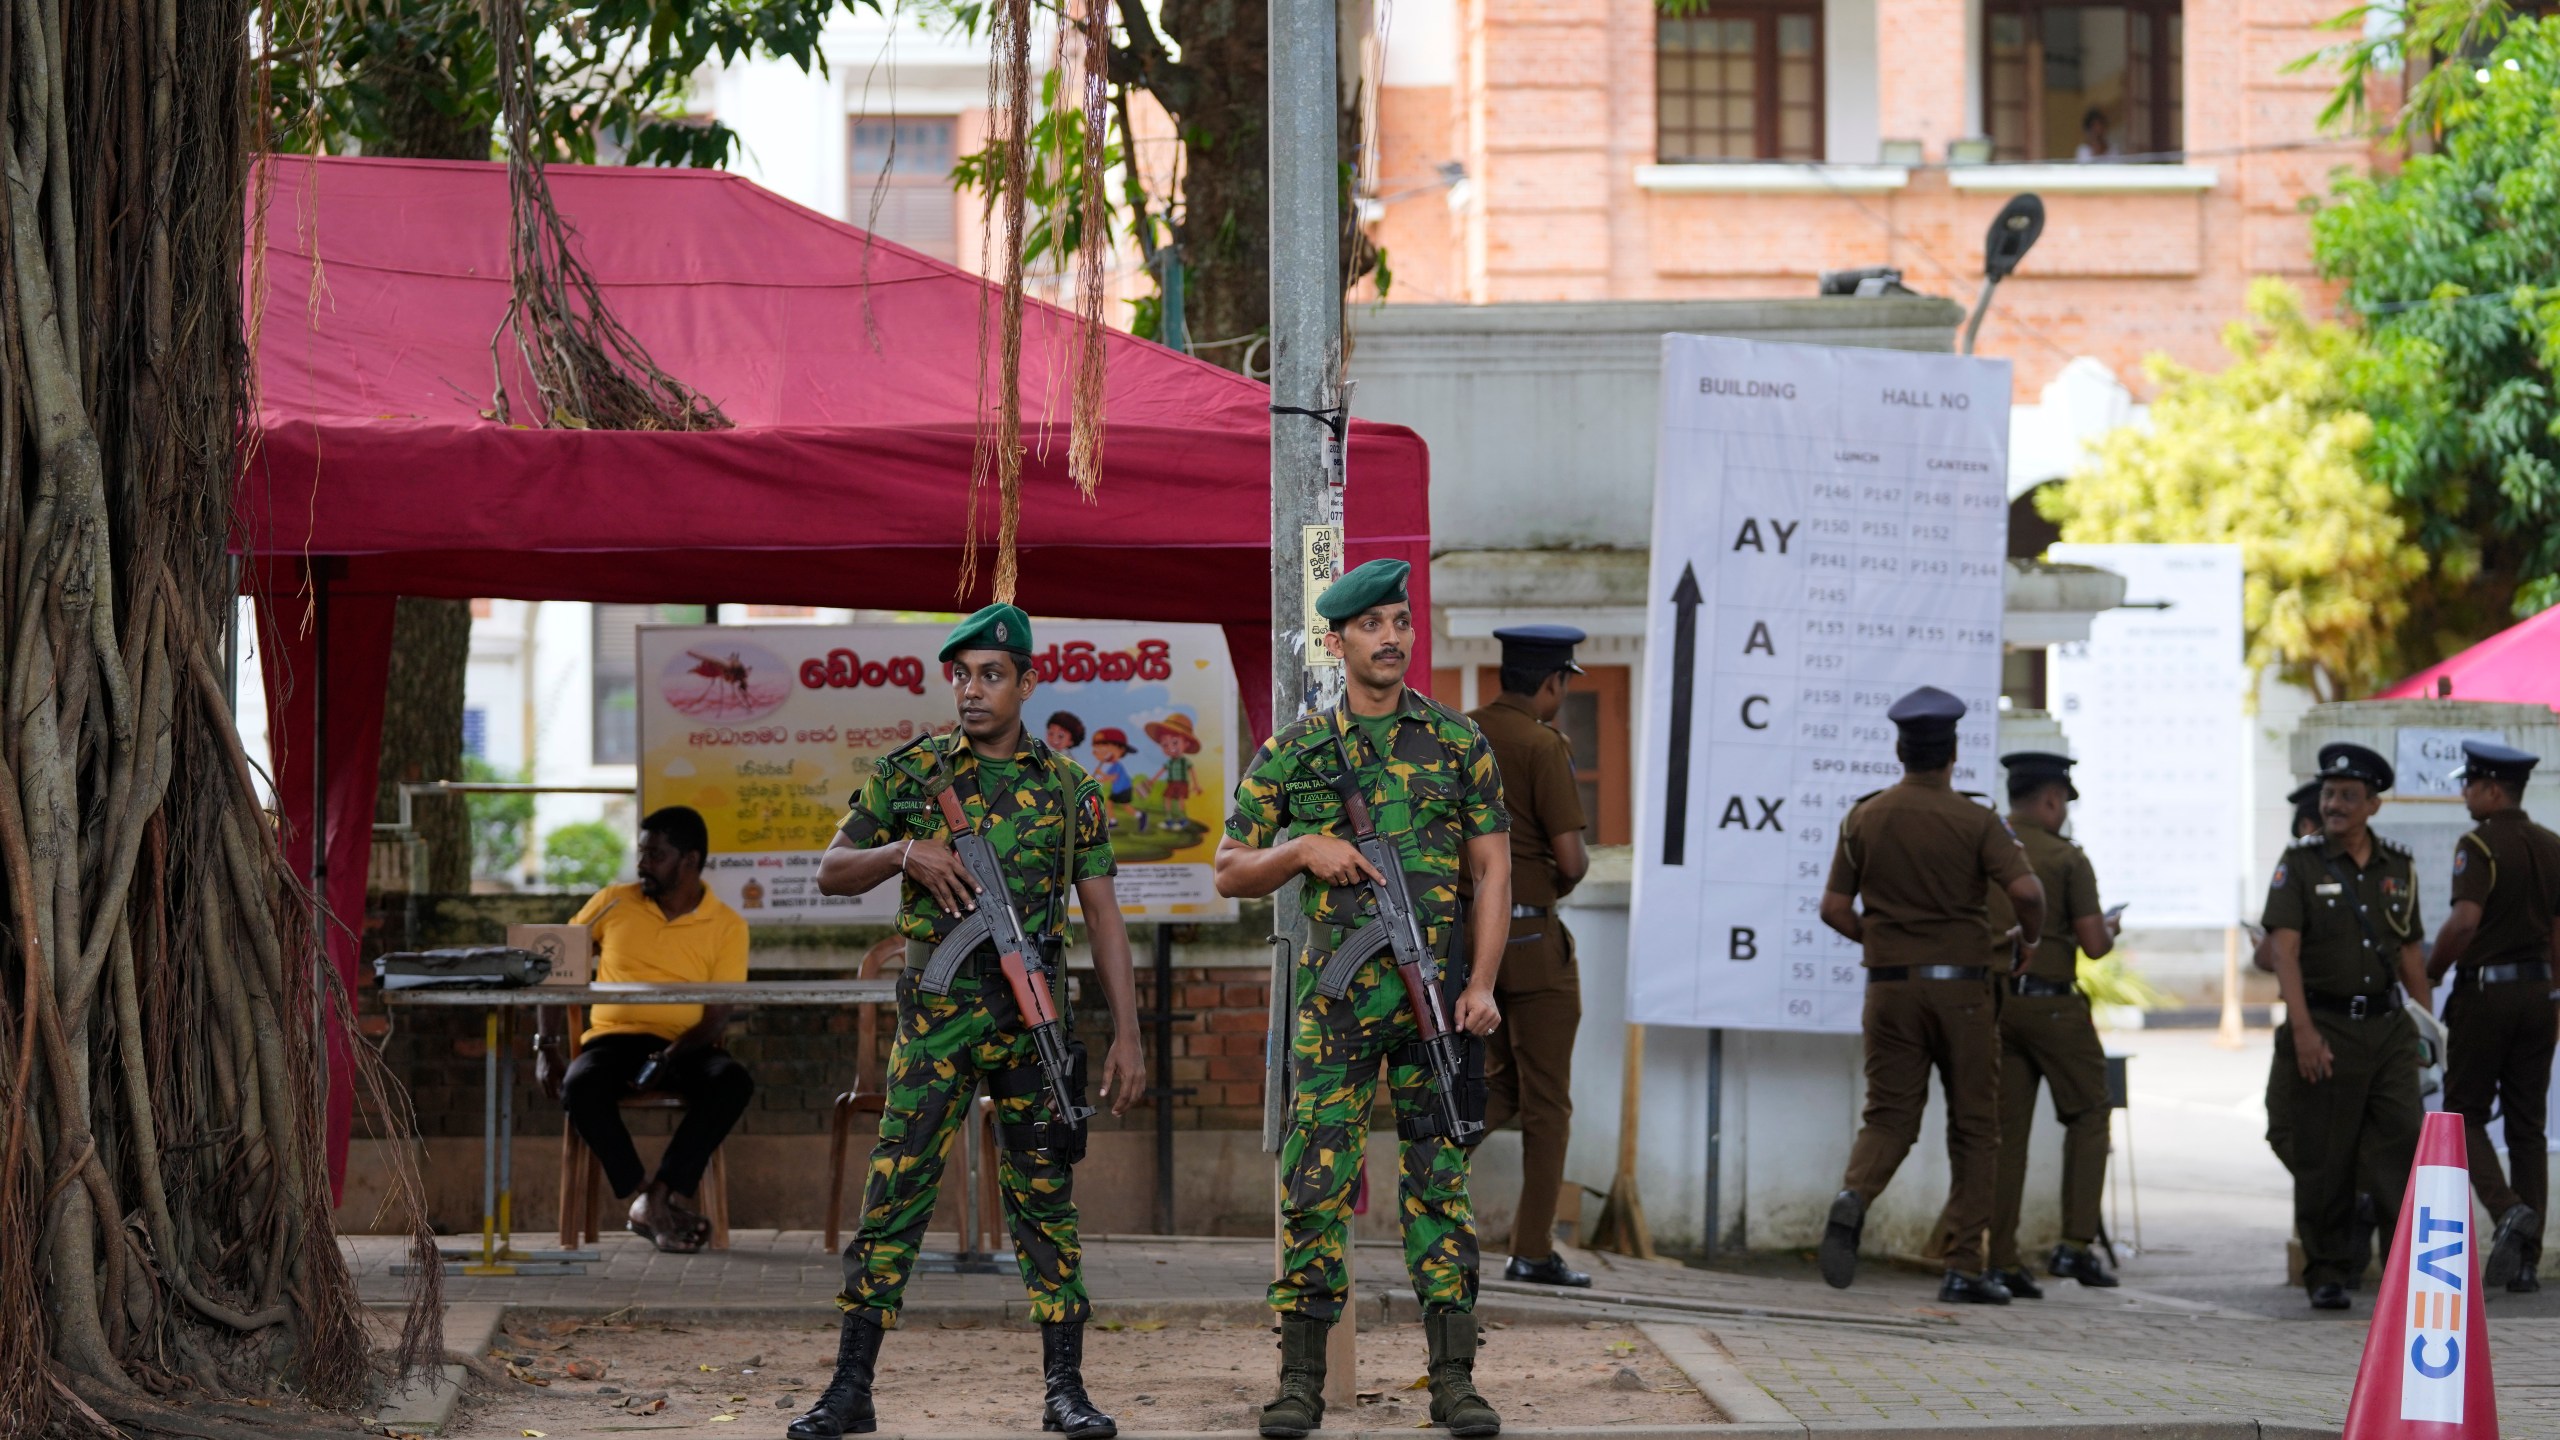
2050 1038
1911 1028
1529 1069
2498 1044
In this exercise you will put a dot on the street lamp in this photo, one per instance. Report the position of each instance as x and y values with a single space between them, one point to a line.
2013 233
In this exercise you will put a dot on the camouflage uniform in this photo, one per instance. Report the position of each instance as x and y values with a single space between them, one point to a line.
946 1043
1434 789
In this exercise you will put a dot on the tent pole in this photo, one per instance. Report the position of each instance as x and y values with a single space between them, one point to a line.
1308 424
320 760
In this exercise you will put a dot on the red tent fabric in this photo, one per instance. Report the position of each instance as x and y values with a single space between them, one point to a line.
2519 663
852 368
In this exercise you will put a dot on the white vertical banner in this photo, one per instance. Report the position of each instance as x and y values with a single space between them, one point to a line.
1829 529
2154 703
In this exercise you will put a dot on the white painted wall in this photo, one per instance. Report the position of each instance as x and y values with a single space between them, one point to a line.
792 126
1849 78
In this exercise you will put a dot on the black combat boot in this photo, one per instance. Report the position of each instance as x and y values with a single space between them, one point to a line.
845 1406
1068 1409
1454 1401
1300 1407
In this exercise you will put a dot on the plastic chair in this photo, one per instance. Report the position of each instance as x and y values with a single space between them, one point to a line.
869 1096
582 1182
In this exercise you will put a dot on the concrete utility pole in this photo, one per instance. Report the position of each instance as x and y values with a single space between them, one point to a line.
1307 426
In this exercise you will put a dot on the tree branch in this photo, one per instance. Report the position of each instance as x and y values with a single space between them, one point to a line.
1146 62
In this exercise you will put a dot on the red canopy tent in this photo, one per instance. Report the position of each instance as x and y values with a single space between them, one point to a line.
851 367
2520 663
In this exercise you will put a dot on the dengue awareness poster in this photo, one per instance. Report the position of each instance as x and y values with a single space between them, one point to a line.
769 729
1829 532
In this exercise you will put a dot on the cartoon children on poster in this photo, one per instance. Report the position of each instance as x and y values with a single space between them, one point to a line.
1150 816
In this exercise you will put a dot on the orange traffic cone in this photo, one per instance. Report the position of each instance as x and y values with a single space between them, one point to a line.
2425 1374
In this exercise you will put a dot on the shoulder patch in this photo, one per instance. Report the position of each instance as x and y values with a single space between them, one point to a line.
2309 842
2393 846
2278 882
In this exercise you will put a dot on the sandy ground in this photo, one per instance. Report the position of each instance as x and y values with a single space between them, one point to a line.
604 1378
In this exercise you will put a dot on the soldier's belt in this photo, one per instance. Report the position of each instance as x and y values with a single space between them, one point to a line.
2356 1007
934 965
2509 974
2031 985
1887 974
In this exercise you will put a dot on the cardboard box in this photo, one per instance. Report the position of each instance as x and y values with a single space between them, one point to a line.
571 948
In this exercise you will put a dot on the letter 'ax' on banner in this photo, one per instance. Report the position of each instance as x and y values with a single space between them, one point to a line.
2425 1373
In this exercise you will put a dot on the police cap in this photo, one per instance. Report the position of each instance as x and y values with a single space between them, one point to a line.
2483 760
1927 713
2029 769
997 627
2305 796
2344 761
1541 648
1380 582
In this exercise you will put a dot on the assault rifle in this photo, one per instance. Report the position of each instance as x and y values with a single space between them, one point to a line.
1024 961
1399 928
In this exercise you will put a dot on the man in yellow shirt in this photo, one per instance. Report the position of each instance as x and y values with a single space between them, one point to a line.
666 929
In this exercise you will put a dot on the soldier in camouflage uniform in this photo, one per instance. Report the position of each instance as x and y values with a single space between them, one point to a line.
1432 787
1043 816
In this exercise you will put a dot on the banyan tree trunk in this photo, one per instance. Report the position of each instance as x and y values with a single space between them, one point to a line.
165 1233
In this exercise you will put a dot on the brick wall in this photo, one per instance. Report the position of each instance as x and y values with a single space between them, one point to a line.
1553 113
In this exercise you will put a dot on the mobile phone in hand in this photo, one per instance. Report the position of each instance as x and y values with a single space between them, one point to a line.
647 1079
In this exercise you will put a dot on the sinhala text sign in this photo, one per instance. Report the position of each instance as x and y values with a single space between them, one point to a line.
769 729
1828 532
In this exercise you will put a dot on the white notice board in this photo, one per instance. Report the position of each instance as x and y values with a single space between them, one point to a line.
1829 527
2153 703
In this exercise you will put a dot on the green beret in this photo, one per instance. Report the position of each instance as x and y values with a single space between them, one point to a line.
998 627
1380 582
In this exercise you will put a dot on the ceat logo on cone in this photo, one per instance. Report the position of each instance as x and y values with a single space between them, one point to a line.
2426 1360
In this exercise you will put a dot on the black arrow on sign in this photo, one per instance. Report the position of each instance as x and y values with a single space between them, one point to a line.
1684 670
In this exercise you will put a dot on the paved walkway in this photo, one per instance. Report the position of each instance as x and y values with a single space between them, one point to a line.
2205 1339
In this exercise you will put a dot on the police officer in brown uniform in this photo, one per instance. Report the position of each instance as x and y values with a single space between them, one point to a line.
2046 1033
2342 920
1529 1063
1908 877
2499 1020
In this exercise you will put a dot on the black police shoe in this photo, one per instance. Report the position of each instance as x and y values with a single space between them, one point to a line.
2330 1295
1550 1271
2519 1227
2019 1283
1840 1239
2081 1263
1962 1289
2525 1283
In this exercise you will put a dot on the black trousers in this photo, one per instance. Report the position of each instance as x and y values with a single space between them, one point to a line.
715 1089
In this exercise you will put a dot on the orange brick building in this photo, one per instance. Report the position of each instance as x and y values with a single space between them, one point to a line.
1598 150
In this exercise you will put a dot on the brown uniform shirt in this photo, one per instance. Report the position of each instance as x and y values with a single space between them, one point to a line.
1538 788
1919 856
2510 868
2337 959
2070 893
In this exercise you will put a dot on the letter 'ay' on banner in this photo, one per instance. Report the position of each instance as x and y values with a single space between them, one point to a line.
1830 529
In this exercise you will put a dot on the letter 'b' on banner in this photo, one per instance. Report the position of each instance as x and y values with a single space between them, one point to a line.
2425 1374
